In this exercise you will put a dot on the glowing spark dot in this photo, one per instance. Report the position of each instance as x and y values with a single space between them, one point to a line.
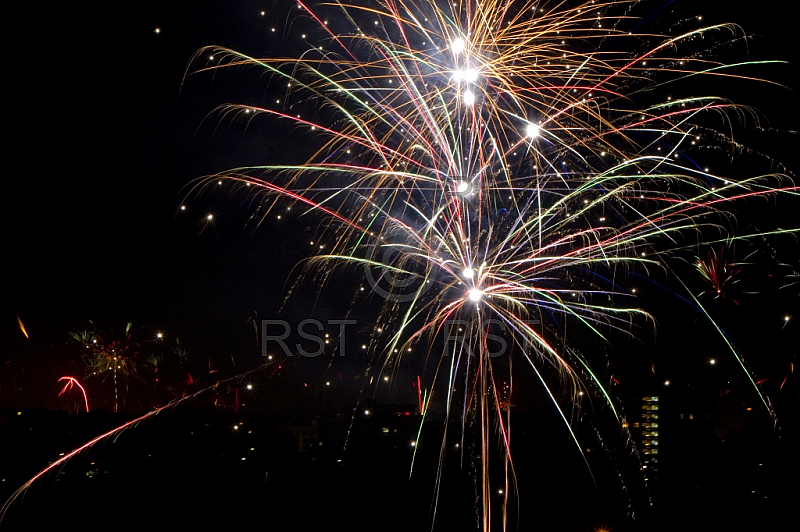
249 386
532 131
210 217
475 294
712 361
457 46
469 98
468 273
158 30
462 187
183 207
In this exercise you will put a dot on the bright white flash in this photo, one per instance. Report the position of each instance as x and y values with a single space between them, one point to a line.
457 46
462 187
468 273
469 97
469 75
532 131
475 294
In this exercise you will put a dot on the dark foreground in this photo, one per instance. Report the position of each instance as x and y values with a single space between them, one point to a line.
201 469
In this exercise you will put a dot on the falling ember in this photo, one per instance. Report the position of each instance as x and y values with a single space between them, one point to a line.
22 327
419 397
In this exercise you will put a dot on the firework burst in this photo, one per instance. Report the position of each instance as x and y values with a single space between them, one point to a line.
718 272
505 167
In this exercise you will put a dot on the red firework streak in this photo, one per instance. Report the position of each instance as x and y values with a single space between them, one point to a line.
132 423
72 381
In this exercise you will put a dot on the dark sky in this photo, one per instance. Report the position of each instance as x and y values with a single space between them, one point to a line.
103 136
104 141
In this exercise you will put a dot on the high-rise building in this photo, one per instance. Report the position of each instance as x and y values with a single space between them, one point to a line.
645 430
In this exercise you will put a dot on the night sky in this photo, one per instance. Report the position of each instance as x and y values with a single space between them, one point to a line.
104 135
